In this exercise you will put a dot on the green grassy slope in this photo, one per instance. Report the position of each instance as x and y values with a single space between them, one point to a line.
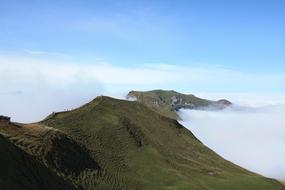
53 150
21 171
167 102
136 148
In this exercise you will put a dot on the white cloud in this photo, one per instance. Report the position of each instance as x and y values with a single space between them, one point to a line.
31 88
50 85
161 66
247 99
46 53
33 52
154 74
138 25
253 137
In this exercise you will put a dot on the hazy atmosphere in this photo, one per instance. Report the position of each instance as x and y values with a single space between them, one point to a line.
59 55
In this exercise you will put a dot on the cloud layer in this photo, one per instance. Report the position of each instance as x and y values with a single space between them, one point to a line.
35 83
252 137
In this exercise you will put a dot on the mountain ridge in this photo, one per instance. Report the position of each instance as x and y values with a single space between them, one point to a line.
167 102
128 146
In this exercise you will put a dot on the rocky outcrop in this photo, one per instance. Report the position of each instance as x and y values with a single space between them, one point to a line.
4 120
168 102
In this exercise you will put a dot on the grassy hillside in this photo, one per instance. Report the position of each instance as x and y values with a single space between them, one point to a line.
21 171
137 148
167 102
114 144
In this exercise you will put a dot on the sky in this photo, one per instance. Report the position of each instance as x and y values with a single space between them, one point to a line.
71 51
241 35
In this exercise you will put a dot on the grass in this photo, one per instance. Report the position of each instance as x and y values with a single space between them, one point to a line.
115 144
168 102
20 170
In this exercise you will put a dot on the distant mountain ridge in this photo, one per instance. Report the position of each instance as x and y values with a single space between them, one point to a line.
111 144
167 102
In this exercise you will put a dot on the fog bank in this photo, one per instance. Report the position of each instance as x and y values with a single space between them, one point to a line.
252 137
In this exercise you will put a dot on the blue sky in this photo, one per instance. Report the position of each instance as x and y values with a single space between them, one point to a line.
189 46
243 35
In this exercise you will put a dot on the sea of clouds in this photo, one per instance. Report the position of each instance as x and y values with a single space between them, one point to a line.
251 133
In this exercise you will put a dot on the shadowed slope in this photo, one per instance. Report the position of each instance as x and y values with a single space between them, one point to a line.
51 149
20 171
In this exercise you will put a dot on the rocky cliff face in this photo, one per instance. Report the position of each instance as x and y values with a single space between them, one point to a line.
168 102
4 120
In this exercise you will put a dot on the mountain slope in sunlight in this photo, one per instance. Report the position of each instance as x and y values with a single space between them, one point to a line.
116 144
145 150
166 102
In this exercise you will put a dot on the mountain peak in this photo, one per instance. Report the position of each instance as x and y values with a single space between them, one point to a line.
167 102
117 144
